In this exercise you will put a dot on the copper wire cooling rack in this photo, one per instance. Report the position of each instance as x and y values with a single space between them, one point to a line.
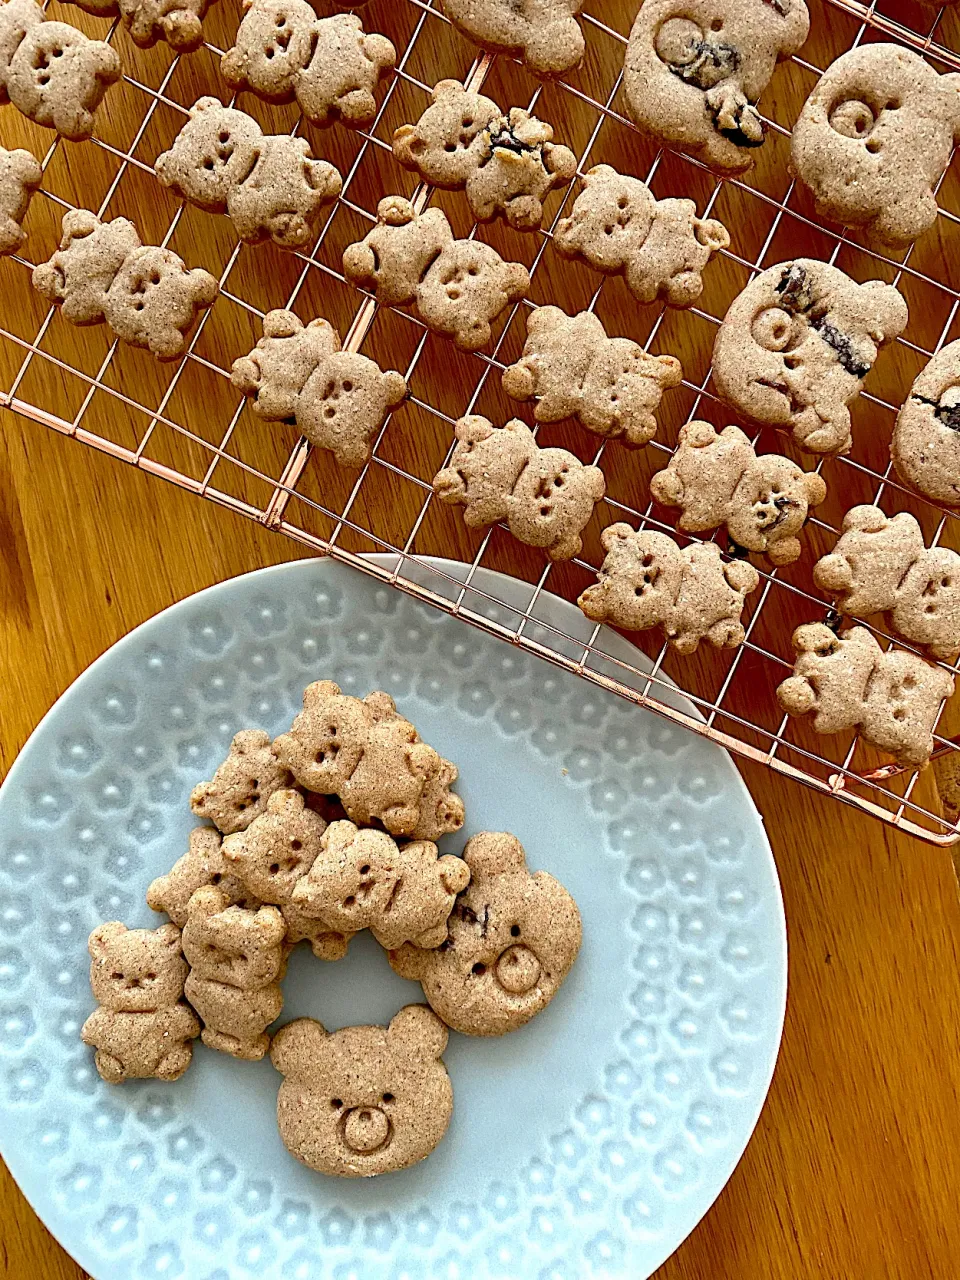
184 422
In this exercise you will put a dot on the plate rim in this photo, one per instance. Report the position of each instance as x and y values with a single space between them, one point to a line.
27 1185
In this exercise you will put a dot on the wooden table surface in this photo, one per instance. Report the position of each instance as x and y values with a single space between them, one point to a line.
854 1171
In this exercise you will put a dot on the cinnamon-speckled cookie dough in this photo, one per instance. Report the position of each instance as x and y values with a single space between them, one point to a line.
718 479
572 369
20 175
543 34
546 496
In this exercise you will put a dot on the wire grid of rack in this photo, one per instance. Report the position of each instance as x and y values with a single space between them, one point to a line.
184 423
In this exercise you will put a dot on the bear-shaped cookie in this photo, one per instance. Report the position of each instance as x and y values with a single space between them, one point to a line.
363 1100
881 565
277 848
269 185
370 757
330 65
507 162
646 580
142 1028
543 34
796 345
695 70
546 496
873 140
338 399
236 957
925 447
202 864
363 880
717 479
52 72
573 370
660 247
179 22
850 682
20 175
244 782
457 287
512 938
146 295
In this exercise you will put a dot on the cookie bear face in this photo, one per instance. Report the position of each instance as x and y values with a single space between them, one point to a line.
277 848
154 298
771 503
231 944
363 1100
345 403
874 138
467 289
326 743
796 345
57 77
544 34
449 142
511 940
641 578
213 153
242 785
136 970
610 221
362 880
695 69
553 500
274 43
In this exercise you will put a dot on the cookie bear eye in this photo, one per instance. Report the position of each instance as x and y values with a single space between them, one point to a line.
772 329
336 1103
852 118
117 977
678 42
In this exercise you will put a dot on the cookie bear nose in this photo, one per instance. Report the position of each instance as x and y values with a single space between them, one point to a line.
365 1129
518 970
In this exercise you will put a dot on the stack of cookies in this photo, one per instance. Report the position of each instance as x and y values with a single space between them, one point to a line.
326 831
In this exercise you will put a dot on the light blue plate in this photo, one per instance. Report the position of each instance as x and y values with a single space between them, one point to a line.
589 1143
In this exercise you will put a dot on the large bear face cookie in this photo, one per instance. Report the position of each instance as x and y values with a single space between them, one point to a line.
363 1100
874 138
511 940
696 68
796 345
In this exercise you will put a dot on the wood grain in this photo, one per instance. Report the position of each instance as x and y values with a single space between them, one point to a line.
855 1167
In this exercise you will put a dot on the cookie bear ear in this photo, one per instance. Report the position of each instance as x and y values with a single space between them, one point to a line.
319 691
169 935
296 1046
394 388
815 488
205 104
448 89
104 936
888 310
249 740
286 802
208 900
492 853
417 1028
